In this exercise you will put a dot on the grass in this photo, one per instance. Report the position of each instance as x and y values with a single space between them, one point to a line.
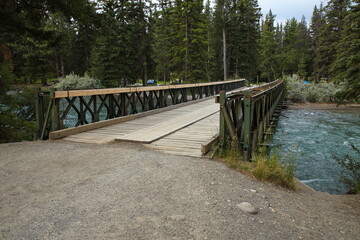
263 168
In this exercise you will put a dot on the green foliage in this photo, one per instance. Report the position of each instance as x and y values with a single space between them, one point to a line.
298 91
262 168
17 118
271 169
121 42
329 34
350 164
121 53
73 81
6 78
243 43
346 67
295 54
188 39
269 57
13 128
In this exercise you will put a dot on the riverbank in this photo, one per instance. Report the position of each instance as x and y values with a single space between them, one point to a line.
62 190
324 106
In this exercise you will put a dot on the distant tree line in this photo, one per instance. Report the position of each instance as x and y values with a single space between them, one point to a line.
122 41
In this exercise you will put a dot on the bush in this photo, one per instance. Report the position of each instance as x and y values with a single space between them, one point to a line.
6 78
13 128
350 164
299 91
72 81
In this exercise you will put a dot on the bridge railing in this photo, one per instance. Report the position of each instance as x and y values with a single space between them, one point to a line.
248 115
56 110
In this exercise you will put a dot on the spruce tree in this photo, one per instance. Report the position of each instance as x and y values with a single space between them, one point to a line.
296 55
221 22
347 65
120 55
244 39
189 41
329 36
317 20
304 49
269 63
290 51
162 41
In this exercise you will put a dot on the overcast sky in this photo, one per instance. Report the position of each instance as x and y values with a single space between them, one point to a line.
286 9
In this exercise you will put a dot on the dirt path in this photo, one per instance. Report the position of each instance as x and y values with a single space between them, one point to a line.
61 190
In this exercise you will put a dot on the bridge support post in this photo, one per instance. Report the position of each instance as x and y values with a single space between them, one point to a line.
55 110
39 112
222 101
247 126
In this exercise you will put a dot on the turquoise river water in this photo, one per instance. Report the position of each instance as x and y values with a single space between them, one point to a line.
312 138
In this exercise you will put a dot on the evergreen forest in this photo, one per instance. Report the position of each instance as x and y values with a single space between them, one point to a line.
123 42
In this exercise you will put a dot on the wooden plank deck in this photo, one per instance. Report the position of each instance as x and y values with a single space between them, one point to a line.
178 131
188 141
162 129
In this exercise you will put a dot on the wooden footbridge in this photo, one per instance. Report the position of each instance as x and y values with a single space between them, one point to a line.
177 119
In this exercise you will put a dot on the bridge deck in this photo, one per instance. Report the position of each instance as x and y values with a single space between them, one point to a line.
178 131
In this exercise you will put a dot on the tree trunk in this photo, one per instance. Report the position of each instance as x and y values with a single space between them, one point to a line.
62 67
186 51
224 54
145 76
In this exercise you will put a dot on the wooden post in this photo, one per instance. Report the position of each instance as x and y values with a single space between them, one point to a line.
96 112
111 106
39 112
247 125
55 113
222 101
123 104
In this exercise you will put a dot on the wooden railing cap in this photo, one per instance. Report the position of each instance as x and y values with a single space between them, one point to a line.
91 92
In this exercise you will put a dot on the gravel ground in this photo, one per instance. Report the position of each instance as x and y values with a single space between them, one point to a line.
62 190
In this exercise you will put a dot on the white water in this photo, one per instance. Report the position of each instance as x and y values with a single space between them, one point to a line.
313 138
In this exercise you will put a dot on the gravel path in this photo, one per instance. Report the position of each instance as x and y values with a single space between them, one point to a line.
62 190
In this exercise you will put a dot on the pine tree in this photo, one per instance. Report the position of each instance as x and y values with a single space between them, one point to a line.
108 54
221 23
210 56
85 29
329 36
120 56
296 55
244 39
188 39
268 44
162 42
290 50
347 65
317 20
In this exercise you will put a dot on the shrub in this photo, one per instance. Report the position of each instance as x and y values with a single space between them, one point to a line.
6 78
350 164
13 128
73 81
298 91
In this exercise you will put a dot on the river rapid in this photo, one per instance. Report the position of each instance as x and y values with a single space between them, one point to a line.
312 138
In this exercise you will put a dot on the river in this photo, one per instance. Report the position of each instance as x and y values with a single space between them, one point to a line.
312 138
